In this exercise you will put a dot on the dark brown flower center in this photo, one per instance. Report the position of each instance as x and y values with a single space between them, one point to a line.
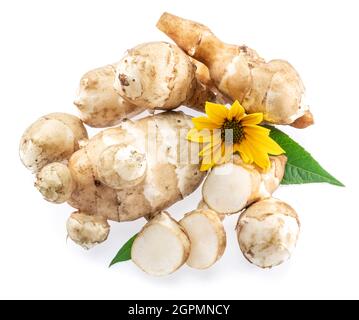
232 130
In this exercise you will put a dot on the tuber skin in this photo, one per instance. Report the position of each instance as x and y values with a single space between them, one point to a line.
231 187
55 182
52 138
161 247
99 104
159 75
273 88
86 230
118 174
121 165
267 232
168 178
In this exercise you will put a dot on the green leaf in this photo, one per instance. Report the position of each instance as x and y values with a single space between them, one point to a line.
301 166
124 254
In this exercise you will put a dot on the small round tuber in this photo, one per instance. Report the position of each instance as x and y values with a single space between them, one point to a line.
55 182
52 138
267 232
87 231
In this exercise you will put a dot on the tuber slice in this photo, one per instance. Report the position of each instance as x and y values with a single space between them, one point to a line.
207 236
231 187
267 232
161 247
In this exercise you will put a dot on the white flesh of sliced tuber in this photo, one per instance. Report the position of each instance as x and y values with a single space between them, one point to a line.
267 232
87 231
161 247
55 183
231 187
207 236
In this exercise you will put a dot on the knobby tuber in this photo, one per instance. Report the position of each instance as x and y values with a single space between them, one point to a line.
273 88
267 232
140 168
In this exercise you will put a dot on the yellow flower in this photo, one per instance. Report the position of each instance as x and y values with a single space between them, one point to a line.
226 131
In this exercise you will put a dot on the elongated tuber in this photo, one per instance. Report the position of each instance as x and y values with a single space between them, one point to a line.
273 88
231 187
161 247
267 232
136 169
207 236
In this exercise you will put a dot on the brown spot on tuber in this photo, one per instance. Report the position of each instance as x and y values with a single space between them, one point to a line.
124 80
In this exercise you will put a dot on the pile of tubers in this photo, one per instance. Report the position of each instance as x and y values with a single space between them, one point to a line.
140 168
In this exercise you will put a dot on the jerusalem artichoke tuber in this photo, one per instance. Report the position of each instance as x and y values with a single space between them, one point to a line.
52 138
273 88
267 232
159 75
99 104
86 230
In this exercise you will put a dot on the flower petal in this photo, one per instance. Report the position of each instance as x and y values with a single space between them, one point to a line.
260 158
216 112
208 149
252 128
266 143
200 136
204 123
227 151
245 152
253 118
210 159
235 111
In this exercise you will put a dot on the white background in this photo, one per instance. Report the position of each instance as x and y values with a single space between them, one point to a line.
45 47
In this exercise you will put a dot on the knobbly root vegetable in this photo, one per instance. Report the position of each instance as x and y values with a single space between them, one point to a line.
159 75
137 169
267 232
55 182
207 236
273 88
99 104
86 230
231 187
161 247
121 165
52 138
